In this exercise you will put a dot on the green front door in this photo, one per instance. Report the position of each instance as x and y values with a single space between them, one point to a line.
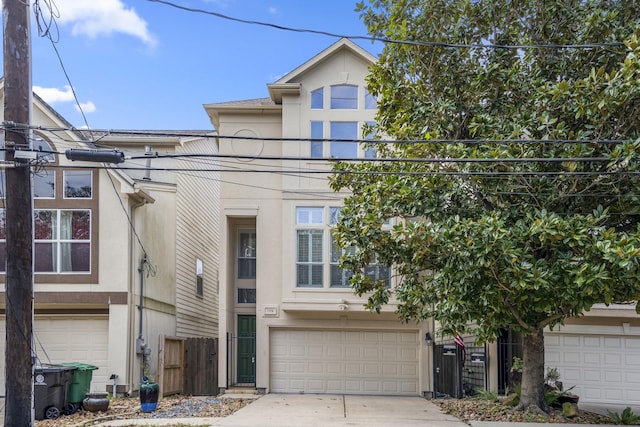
246 349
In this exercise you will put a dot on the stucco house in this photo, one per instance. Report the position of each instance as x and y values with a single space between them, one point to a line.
122 254
288 320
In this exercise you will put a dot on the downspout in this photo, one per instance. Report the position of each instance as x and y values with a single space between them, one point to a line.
131 329
141 348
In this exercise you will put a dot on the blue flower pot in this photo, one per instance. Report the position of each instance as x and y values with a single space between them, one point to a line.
148 396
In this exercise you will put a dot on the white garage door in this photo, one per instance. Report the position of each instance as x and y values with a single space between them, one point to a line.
603 368
70 340
351 362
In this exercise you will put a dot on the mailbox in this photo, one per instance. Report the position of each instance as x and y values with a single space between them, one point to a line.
477 358
449 350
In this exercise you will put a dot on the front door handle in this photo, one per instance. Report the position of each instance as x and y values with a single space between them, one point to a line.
253 359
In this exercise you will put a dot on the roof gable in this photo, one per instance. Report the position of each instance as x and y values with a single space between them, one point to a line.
340 45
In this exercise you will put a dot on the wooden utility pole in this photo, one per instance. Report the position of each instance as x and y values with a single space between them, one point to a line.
19 217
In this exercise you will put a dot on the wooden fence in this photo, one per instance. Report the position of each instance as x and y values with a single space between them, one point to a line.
188 366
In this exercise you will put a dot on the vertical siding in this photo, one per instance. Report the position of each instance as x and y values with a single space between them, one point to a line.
197 236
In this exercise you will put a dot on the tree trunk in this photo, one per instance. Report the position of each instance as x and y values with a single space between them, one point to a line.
532 392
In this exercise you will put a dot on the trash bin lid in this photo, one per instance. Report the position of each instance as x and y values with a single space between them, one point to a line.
81 366
45 367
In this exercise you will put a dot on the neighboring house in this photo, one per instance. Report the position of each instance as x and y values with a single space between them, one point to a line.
289 321
597 354
109 239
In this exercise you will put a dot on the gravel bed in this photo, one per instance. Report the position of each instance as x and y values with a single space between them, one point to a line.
474 409
168 407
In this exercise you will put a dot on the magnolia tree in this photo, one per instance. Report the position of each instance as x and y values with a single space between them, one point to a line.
509 161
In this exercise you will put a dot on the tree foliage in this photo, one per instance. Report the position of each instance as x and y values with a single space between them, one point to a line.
526 211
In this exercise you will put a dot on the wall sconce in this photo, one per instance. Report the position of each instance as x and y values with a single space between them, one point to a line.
428 338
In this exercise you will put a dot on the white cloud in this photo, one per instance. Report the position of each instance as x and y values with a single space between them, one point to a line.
51 95
87 107
102 18
273 10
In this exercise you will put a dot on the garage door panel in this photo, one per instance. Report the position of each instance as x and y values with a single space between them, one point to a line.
602 368
354 362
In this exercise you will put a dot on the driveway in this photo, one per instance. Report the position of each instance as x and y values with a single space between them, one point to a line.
295 410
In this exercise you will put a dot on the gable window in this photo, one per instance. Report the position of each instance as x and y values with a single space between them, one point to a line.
247 254
344 97
199 278
370 101
317 132
77 184
317 99
345 131
62 241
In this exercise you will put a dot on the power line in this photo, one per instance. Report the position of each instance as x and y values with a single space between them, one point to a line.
387 40
214 135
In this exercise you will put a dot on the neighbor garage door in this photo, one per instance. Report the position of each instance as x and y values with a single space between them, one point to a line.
603 368
352 362
70 340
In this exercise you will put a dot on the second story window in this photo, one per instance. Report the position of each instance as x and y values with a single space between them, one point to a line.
344 97
247 255
62 241
318 255
199 277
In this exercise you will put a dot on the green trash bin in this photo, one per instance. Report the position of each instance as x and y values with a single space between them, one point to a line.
80 386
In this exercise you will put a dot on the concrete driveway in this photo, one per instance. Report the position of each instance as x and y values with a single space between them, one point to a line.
294 410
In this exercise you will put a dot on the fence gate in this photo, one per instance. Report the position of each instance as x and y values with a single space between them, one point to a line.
201 367
459 372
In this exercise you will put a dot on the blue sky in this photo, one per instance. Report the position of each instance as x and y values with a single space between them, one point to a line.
138 64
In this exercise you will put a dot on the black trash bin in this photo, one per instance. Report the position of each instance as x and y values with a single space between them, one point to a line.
50 387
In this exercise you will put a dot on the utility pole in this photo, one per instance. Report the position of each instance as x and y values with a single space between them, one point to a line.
19 216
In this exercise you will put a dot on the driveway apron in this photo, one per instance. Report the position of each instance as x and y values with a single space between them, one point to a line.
293 410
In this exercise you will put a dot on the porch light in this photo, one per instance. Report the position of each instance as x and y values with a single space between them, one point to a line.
428 338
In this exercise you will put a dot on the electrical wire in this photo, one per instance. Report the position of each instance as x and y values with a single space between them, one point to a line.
387 40
214 135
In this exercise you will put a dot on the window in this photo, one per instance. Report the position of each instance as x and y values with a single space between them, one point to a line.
344 97
315 244
317 132
44 185
62 241
339 277
199 277
309 267
379 272
310 216
77 184
317 99
246 296
369 153
247 255
348 131
370 101
46 154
